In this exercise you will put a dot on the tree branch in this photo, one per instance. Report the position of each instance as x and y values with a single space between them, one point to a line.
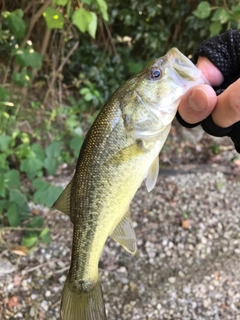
59 69
34 19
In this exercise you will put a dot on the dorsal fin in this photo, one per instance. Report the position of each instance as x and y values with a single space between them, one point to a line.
63 202
124 234
152 175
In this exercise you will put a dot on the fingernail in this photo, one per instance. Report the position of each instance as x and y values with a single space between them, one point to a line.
198 100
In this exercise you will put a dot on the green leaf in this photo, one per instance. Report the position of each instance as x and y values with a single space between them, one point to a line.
16 25
17 197
23 78
103 8
4 94
4 204
134 67
38 150
66 157
36 222
92 27
23 151
25 137
31 166
81 19
4 142
12 179
2 185
221 15
51 165
72 122
235 13
30 240
34 60
40 184
185 215
28 58
30 235
13 215
84 91
60 2
54 19
53 150
18 12
89 96
87 1
45 192
3 161
45 235
75 145
78 131
48 195
203 10
215 28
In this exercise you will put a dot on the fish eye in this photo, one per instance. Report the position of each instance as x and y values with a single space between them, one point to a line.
155 73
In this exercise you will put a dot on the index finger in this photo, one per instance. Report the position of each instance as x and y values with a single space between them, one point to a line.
212 73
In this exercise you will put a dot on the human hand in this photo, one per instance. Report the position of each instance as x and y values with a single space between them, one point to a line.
201 101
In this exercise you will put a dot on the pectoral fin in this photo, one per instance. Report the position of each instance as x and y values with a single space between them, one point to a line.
63 202
152 175
127 154
124 234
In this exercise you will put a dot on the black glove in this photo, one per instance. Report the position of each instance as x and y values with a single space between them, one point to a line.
224 52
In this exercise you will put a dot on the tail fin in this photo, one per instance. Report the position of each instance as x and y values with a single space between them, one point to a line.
81 305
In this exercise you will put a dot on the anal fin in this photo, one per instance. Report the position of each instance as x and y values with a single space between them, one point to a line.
124 234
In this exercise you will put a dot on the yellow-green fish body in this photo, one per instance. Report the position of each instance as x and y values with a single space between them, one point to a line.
120 151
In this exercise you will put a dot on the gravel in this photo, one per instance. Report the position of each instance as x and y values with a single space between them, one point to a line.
188 265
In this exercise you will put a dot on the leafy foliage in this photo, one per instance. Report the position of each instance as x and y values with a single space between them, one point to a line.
219 16
31 237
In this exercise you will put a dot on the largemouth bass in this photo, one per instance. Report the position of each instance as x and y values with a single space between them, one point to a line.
120 150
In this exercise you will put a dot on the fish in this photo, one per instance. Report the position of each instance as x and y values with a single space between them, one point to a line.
119 152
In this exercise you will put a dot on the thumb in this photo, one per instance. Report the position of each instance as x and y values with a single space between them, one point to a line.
197 103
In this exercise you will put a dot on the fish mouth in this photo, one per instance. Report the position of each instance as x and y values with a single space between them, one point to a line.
183 66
